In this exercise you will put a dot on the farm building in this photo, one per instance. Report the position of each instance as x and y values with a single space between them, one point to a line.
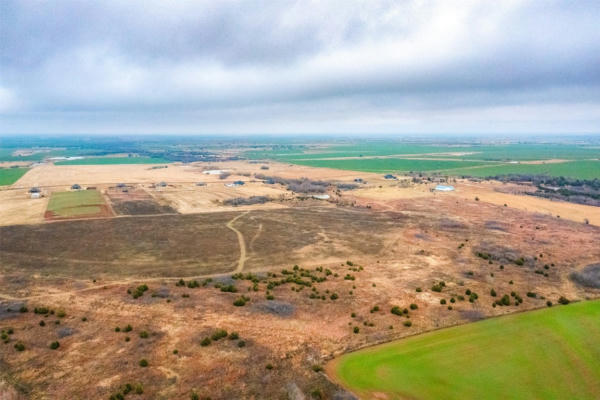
76 187
321 196
214 171
36 195
444 188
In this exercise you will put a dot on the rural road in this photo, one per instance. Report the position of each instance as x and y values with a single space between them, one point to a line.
241 241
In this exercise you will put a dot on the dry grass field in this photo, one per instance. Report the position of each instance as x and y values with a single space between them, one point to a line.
357 256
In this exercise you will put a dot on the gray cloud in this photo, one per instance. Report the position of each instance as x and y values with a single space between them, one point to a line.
299 66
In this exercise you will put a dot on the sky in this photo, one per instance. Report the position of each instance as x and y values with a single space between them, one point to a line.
293 67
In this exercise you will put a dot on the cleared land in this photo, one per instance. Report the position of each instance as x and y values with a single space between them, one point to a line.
76 204
552 353
8 176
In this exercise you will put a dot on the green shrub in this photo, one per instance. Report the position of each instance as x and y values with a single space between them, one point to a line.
317 368
23 309
270 297
42 323
407 323
219 334
419 289
205 342
144 335
19 346
531 294
117 329
139 389
128 328
269 366
413 306
356 329
396 310
493 293
194 396
54 345
334 296
239 302
143 363
443 301
234 336
61 313
563 300
241 343
549 303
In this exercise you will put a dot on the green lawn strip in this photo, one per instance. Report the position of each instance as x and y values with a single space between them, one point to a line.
113 160
68 204
552 354
8 176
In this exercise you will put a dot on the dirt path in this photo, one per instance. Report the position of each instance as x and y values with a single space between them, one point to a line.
241 241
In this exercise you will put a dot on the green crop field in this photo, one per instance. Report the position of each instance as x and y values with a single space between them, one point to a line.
552 353
8 176
113 160
571 169
452 159
73 204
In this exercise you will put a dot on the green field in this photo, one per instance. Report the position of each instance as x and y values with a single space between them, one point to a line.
552 353
74 204
113 160
8 176
450 159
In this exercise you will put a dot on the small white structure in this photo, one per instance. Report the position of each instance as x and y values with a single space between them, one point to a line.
214 171
444 188
321 196
36 195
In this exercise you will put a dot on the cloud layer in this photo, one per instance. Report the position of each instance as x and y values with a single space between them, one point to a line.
299 66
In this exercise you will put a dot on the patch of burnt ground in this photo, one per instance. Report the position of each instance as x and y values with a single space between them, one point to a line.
275 307
588 276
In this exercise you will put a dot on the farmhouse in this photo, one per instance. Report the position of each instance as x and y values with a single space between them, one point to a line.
76 187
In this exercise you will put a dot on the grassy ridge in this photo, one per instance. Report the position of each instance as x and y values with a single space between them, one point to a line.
545 354
113 160
8 176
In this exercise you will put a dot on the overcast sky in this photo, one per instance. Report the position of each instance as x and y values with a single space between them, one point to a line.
282 66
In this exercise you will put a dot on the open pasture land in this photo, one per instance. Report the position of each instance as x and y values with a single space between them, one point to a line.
546 354
17 207
8 176
293 320
76 204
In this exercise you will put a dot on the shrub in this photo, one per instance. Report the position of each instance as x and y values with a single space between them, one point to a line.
563 300
531 294
270 297
19 346
219 334
437 288
139 389
443 301
234 336
505 300
419 289
407 323
144 335
353 315
143 363
493 293
239 302
317 368
205 342
194 396
241 343
396 310
128 328
42 323
23 309
413 306
549 303
54 345
334 296
374 309
269 366
61 313
356 329
117 329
